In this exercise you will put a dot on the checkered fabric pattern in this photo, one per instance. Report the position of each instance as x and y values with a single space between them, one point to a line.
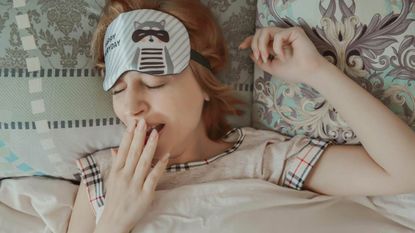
301 163
187 166
91 176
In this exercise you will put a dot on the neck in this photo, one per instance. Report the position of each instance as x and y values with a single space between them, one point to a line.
199 147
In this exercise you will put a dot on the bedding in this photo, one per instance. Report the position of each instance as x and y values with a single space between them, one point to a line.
39 205
44 48
51 92
372 42
36 205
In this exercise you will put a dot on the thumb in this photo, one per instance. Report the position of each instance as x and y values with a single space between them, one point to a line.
114 152
246 42
267 67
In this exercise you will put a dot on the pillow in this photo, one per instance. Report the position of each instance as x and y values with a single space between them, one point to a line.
237 20
53 109
372 42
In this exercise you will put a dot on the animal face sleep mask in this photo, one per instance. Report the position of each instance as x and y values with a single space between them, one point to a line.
147 41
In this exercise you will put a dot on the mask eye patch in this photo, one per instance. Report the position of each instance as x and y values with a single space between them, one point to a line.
147 41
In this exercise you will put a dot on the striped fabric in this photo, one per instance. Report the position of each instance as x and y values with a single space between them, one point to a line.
151 61
301 163
120 50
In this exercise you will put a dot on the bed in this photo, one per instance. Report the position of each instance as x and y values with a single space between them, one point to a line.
44 128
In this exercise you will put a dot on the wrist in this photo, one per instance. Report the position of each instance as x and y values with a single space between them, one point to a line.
107 224
110 228
322 74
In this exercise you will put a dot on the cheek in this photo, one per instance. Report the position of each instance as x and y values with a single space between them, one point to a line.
184 105
182 109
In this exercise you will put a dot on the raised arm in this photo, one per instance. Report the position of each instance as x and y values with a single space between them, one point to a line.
388 141
386 164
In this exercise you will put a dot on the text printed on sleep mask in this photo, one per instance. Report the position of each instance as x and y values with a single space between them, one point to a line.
110 44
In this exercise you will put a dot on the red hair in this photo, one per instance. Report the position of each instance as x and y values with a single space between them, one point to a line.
205 37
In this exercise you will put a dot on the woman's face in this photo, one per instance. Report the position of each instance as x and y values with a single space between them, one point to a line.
172 103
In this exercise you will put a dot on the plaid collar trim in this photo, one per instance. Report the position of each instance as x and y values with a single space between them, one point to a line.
91 174
190 165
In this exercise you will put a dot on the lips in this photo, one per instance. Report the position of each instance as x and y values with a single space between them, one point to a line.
158 127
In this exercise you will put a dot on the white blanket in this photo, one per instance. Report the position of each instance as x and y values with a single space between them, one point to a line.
42 205
35 205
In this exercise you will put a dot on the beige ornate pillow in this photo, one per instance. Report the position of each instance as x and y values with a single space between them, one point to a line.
373 42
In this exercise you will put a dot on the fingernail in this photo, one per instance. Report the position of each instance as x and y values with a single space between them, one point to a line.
264 58
153 135
141 124
130 125
166 157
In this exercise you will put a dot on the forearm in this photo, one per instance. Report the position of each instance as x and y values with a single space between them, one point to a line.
386 138
106 228
105 225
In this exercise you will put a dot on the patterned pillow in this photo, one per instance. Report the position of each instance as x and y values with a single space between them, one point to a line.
373 42
53 109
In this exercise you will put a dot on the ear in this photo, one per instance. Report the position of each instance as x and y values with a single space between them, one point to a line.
163 22
137 24
206 96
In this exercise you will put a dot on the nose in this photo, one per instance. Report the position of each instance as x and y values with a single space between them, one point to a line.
135 104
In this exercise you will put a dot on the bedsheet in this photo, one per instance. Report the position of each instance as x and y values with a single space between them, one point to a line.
36 205
41 205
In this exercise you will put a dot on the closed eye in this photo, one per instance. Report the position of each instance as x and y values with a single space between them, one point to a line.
154 87
114 92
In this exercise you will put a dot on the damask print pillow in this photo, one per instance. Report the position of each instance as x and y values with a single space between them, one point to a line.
53 109
373 42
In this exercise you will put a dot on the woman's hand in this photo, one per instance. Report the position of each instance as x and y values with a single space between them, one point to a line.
131 183
286 53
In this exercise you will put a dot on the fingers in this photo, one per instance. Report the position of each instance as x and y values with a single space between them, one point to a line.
119 161
114 152
146 158
263 41
272 41
136 148
267 67
280 40
156 173
246 43
254 45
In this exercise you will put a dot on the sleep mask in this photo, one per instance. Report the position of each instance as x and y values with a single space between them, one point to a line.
147 41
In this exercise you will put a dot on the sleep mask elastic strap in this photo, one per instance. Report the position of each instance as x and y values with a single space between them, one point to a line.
199 58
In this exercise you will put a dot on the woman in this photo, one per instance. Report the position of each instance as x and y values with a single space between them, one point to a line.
175 116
